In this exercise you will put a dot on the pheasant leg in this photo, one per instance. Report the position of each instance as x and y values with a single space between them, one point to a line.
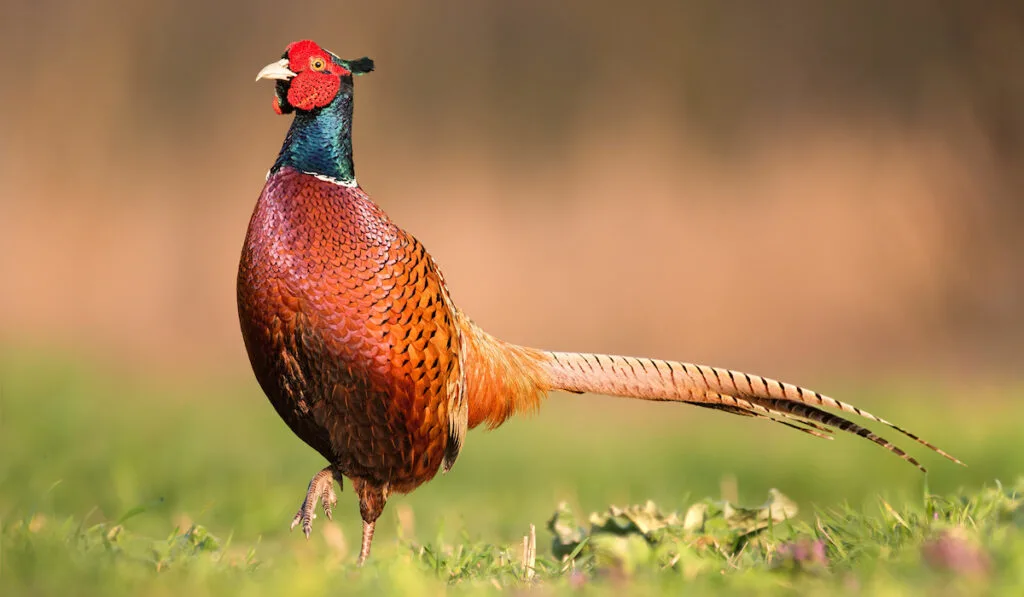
364 547
371 503
321 489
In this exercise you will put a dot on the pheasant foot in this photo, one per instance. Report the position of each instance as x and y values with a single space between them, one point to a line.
321 489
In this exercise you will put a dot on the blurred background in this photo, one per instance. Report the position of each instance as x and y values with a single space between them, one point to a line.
826 192
811 187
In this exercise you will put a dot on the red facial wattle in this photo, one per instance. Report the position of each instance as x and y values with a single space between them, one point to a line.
311 89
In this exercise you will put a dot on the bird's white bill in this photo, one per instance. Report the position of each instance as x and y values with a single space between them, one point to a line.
276 70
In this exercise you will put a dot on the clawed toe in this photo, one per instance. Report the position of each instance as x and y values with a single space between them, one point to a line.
321 489
329 500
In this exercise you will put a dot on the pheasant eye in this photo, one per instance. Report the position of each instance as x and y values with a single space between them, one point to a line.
317 63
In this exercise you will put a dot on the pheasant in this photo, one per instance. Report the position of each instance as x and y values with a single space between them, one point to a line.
355 340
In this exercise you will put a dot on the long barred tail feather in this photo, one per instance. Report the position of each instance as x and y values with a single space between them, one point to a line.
827 418
744 407
736 410
756 409
720 389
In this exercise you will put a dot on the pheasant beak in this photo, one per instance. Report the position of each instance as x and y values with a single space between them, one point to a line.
276 70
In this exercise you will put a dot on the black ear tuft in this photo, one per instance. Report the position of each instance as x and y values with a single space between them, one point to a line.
360 66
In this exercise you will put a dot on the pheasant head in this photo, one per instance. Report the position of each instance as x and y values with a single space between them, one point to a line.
309 77
317 86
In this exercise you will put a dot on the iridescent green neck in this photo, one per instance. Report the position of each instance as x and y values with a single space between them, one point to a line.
320 141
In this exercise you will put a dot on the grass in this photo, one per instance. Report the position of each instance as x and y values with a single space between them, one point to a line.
126 485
